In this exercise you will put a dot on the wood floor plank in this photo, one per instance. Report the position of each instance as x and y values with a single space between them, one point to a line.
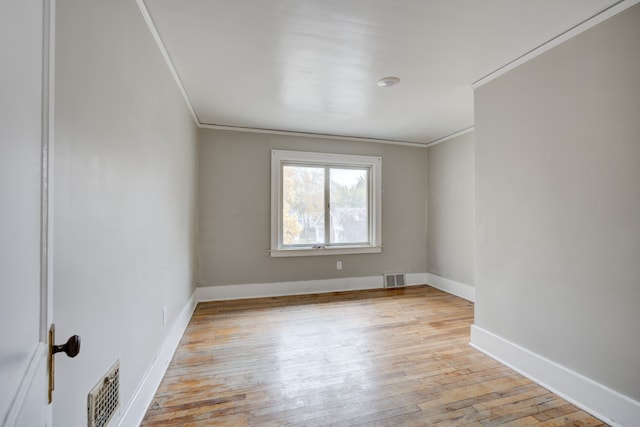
369 358
575 419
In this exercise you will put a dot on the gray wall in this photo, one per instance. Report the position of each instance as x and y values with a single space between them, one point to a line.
451 209
125 179
234 211
558 204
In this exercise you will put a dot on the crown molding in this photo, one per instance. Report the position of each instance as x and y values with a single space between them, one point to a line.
450 136
309 135
555 41
167 58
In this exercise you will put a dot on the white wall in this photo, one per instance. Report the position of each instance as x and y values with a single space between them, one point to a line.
558 204
451 209
124 202
234 211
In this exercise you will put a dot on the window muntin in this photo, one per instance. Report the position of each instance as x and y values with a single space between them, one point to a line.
308 188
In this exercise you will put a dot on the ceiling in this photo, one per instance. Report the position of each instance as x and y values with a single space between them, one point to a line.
312 66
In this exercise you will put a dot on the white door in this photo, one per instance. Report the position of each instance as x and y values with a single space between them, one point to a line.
24 128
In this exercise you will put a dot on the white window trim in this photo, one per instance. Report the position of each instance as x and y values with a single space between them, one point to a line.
278 157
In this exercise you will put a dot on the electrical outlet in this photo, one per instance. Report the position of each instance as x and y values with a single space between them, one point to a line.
164 316
339 265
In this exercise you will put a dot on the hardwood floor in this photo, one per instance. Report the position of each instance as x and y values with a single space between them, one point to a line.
373 358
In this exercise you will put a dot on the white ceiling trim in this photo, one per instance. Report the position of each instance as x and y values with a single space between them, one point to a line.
165 54
310 135
560 38
572 32
167 58
448 137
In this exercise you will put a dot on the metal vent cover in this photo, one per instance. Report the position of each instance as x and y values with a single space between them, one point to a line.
394 280
104 398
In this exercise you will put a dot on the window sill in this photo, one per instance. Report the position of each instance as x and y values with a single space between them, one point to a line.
343 250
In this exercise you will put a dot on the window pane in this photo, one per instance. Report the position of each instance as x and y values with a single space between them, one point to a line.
349 208
302 205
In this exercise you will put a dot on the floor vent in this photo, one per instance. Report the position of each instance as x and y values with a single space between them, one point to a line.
104 399
394 280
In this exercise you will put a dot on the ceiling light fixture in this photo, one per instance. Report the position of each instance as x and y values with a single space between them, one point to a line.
388 81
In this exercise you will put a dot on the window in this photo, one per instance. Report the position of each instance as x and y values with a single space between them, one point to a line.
325 204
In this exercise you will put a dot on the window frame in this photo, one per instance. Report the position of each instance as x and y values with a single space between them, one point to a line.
279 158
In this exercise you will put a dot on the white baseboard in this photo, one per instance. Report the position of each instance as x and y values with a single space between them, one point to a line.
608 405
459 289
134 412
276 289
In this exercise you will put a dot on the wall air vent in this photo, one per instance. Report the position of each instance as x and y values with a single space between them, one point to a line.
104 399
394 280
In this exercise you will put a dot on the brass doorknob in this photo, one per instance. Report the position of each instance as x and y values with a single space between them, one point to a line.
71 348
